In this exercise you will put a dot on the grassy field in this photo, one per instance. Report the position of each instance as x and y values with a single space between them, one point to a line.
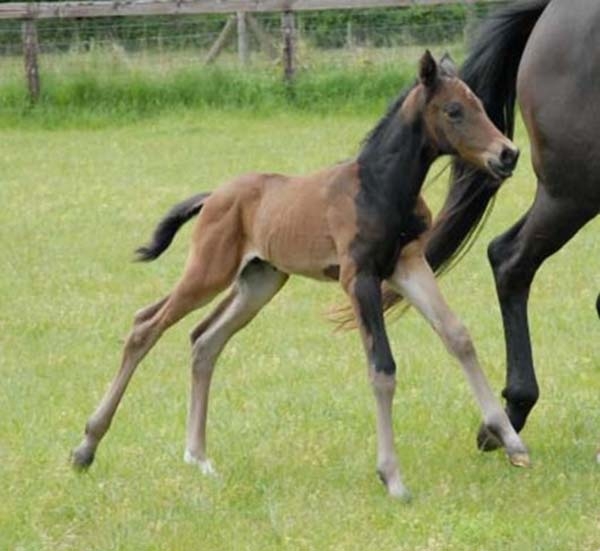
291 423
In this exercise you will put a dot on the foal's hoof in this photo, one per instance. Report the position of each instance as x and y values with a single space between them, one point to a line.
520 459
400 492
486 441
82 457
395 488
204 465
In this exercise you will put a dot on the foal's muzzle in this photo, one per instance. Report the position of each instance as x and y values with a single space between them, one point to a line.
503 166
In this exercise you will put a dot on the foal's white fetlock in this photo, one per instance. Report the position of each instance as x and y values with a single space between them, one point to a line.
398 490
204 465
394 485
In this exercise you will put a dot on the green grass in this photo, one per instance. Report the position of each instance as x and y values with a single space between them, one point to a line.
291 422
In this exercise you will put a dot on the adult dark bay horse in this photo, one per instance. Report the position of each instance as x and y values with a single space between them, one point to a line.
546 53
359 222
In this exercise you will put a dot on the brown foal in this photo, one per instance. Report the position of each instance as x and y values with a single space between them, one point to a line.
361 223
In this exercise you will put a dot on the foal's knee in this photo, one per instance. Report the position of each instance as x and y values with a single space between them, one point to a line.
385 366
383 382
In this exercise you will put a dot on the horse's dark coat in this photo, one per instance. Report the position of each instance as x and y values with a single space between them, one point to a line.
546 53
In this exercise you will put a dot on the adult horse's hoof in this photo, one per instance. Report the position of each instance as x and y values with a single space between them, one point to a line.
486 441
82 457
520 459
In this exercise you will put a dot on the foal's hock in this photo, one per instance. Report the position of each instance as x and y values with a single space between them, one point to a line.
361 223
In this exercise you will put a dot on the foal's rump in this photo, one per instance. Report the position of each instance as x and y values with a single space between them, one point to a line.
178 215
167 228
287 221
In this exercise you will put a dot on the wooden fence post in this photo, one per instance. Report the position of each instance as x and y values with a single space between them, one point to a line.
287 26
30 51
349 35
216 48
242 38
471 20
262 37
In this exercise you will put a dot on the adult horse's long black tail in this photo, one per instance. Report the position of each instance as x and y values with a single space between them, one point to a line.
167 228
491 71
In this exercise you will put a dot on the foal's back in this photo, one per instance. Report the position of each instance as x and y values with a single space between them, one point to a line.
296 223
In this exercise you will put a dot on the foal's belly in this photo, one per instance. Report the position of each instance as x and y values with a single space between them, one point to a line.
301 225
297 240
302 254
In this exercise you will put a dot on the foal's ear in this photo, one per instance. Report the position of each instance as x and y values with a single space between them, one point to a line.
447 66
428 70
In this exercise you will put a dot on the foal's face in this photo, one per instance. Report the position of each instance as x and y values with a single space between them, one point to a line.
458 124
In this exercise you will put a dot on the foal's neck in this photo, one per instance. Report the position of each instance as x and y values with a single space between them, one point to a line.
393 166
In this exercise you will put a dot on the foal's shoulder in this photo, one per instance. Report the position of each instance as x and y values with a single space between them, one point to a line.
341 178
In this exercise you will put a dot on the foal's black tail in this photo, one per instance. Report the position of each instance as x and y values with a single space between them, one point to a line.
491 72
169 226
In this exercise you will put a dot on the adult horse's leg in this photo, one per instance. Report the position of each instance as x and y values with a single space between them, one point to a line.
256 286
414 279
365 293
515 257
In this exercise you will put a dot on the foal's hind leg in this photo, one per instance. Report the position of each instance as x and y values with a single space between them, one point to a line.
414 279
147 312
193 291
146 331
256 286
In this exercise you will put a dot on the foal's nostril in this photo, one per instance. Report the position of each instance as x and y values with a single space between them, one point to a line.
509 157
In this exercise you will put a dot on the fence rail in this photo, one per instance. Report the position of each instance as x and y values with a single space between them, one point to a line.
64 10
34 14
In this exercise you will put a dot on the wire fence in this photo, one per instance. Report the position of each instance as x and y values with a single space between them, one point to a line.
322 31
151 47
176 33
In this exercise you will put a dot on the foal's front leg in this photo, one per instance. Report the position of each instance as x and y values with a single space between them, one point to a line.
414 279
365 293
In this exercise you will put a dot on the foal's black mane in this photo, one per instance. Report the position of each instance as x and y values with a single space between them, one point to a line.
471 192
393 162
374 138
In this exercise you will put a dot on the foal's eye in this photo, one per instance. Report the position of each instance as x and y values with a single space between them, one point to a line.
454 111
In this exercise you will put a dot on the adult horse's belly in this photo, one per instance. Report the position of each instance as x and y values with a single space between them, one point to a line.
558 88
